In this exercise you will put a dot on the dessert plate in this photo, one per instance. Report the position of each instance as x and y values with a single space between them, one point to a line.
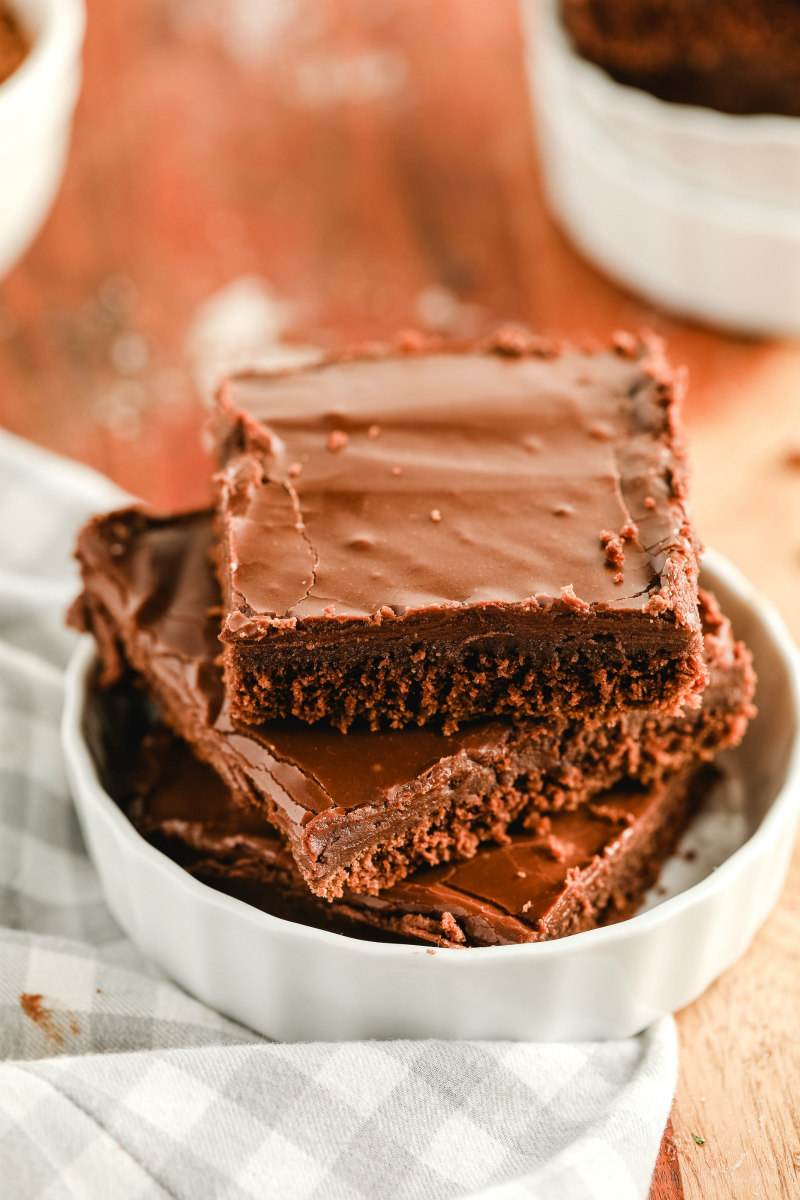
294 982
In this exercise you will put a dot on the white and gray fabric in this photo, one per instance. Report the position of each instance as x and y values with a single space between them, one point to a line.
115 1083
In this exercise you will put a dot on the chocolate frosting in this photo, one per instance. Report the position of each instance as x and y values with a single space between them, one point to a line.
392 483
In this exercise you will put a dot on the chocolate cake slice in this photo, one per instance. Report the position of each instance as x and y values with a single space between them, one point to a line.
361 810
577 870
439 532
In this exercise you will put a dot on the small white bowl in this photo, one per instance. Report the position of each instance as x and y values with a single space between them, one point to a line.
36 106
754 157
694 209
293 982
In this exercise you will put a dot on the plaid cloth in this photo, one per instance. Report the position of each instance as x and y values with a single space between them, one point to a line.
115 1083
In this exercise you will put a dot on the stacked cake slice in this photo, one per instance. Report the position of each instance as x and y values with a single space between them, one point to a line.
437 667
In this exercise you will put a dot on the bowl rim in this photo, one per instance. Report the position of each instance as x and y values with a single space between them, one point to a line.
684 196
673 117
58 41
82 772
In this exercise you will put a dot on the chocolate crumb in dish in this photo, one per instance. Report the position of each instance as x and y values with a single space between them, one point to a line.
608 855
737 56
477 598
362 810
13 45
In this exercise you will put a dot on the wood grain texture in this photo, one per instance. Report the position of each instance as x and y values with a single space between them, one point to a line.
371 163
739 1085
667 1181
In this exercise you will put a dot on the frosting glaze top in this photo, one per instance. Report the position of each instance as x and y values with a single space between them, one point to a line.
440 476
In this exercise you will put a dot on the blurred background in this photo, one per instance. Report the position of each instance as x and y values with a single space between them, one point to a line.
295 170
251 178
246 173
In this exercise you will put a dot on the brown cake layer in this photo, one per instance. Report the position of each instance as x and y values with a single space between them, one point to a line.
363 809
738 56
439 532
579 869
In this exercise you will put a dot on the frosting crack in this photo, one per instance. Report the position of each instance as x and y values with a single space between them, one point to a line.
300 526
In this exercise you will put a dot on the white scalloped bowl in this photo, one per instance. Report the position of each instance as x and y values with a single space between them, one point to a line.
693 209
754 156
293 982
36 106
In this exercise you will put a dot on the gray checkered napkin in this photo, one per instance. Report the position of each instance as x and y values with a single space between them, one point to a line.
114 1083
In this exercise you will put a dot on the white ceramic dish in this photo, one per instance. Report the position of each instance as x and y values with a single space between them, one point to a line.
36 107
664 197
295 983
754 157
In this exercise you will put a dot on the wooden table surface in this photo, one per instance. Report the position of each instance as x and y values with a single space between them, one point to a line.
245 174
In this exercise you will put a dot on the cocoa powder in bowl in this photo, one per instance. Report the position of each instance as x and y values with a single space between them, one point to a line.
13 44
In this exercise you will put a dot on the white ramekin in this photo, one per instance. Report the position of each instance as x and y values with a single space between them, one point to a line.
753 157
36 107
694 209
293 982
